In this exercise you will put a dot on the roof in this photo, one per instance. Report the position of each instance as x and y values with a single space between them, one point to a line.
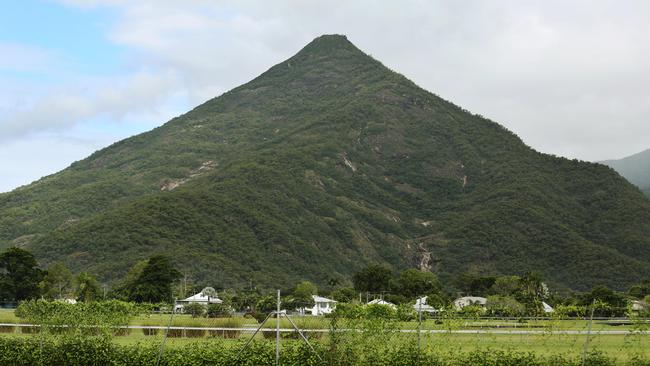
547 308
380 302
421 305
201 298
322 299
472 299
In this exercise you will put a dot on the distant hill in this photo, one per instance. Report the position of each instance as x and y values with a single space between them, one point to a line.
636 168
324 163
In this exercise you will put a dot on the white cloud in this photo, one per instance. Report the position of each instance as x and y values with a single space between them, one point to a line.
569 77
91 98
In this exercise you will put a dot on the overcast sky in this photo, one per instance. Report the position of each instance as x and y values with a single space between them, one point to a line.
572 78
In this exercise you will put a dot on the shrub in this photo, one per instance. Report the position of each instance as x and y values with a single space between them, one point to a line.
219 310
194 309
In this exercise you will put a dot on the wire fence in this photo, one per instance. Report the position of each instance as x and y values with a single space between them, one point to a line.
351 338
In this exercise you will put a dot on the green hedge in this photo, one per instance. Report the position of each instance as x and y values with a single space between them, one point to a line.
99 351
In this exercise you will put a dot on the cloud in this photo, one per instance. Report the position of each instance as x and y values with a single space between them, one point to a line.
569 77
111 97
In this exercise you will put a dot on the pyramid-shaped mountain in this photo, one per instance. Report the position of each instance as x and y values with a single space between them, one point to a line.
327 162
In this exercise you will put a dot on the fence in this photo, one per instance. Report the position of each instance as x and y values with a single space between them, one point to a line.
374 335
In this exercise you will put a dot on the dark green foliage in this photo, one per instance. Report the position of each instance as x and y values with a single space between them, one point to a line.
87 287
219 310
373 278
641 290
154 284
57 283
344 294
413 282
19 277
195 309
325 163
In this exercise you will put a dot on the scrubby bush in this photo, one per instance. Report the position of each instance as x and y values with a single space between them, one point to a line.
194 309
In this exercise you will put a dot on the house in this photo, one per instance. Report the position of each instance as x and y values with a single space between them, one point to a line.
206 297
382 302
422 306
322 305
462 302
547 308
638 306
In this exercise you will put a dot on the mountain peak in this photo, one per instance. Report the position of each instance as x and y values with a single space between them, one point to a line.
329 45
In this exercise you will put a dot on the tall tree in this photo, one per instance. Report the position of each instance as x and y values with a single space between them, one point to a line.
413 282
57 283
373 278
87 287
19 275
155 282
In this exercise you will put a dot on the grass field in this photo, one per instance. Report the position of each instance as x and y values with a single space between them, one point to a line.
545 341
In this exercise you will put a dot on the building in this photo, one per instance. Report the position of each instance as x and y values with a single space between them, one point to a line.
547 308
206 297
422 306
322 305
382 302
462 302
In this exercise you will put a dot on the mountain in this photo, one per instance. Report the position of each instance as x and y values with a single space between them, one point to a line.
636 168
324 163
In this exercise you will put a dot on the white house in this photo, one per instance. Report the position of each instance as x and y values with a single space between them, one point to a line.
461 302
638 305
422 306
202 297
322 305
382 302
547 308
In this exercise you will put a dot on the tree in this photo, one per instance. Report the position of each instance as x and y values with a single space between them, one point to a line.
304 291
19 275
504 306
413 282
344 294
506 285
475 285
123 290
87 287
57 283
373 278
155 282
641 290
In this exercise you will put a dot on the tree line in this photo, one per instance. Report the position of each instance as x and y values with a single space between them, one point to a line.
156 280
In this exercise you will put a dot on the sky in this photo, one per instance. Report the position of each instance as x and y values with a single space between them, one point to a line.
570 78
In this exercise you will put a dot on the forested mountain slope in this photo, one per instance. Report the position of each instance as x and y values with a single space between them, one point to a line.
324 163
636 168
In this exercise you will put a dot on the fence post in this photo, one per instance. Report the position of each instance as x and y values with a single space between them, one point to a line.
277 333
591 320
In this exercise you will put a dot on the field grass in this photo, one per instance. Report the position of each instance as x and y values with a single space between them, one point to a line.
545 342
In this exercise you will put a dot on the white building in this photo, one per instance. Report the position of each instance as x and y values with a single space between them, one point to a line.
322 305
382 302
422 306
547 308
462 302
203 298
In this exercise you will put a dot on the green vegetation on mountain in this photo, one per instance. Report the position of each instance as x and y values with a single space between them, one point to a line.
635 168
325 163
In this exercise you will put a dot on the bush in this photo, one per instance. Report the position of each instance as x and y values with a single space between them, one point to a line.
194 309
219 310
